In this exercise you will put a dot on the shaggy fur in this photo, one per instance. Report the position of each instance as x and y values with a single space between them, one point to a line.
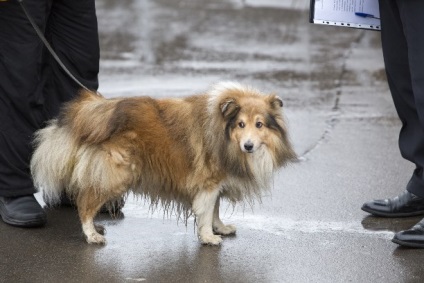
182 153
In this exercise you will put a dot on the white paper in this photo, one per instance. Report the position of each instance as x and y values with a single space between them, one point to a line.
342 13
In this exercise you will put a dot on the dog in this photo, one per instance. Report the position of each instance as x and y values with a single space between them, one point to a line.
182 153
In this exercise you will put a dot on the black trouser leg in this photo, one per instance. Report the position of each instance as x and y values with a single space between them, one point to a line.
20 65
32 86
403 45
72 31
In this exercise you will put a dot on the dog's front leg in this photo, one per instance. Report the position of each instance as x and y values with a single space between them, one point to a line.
203 208
219 227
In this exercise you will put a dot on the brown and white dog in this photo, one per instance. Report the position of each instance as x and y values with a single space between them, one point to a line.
182 153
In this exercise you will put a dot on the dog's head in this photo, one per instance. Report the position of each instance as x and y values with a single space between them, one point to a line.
248 133
253 120
250 123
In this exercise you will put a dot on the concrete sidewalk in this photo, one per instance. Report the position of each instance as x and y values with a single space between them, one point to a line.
310 229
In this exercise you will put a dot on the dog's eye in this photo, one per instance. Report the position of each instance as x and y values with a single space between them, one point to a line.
259 125
241 124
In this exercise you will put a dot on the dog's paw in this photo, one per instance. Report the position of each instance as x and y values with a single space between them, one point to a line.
96 238
213 240
225 230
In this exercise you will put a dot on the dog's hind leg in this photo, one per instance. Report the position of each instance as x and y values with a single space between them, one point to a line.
89 203
219 227
203 208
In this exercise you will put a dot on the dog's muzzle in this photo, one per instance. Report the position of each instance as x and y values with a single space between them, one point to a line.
248 146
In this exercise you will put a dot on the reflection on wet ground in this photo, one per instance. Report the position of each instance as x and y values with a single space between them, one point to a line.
394 225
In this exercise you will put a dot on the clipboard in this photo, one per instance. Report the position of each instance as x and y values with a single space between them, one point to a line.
362 14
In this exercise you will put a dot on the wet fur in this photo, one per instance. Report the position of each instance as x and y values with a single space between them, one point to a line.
181 153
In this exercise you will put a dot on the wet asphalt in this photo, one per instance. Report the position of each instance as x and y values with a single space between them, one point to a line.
310 227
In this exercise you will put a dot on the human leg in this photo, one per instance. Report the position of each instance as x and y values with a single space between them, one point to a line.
73 33
413 24
402 27
20 115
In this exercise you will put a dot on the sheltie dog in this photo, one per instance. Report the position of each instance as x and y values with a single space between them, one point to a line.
184 154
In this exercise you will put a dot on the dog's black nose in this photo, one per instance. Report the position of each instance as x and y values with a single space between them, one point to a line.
248 146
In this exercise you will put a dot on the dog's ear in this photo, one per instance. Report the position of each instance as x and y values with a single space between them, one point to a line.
275 101
229 108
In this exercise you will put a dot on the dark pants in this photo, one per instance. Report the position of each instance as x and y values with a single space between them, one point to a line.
402 35
32 85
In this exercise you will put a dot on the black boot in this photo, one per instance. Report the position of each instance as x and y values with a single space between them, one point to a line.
112 207
22 211
413 237
406 204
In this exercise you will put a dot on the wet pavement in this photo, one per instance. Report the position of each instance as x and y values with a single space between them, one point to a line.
310 227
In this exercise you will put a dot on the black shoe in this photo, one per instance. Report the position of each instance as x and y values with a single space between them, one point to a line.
64 201
406 204
413 237
23 211
112 207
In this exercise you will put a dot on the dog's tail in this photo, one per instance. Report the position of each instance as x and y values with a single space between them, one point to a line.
90 118
53 160
60 162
